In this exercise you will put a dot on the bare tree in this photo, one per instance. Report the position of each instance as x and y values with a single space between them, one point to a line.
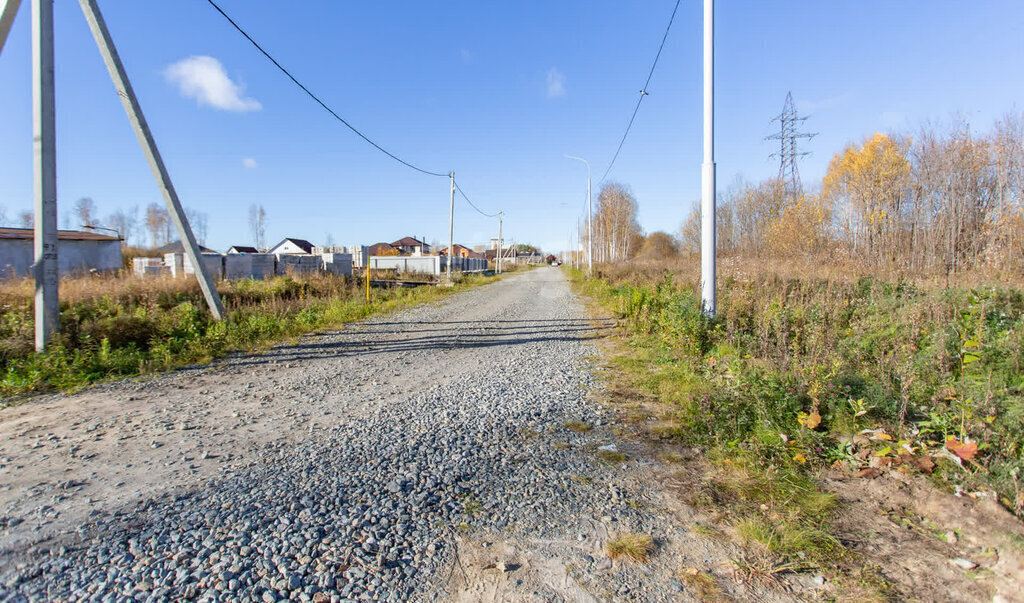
198 220
27 219
690 231
616 229
158 223
126 223
258 225
85 210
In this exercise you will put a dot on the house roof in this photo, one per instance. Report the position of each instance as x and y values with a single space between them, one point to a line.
177 247
302 244
376 248
407 242
62 235
244 249
457 248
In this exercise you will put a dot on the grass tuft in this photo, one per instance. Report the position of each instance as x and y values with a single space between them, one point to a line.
577 426
611 456
635 547
704 584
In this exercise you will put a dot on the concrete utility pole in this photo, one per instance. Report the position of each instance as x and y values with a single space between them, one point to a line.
44 136
451 227
497 256
707 238
156 163
8 9
590 219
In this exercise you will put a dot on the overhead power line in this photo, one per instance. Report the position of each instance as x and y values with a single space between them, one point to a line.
317 99
643 92
471 204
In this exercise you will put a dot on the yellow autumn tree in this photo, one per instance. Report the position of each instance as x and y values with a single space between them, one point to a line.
867 186
798 226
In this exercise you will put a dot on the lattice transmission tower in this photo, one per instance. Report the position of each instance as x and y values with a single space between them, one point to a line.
789 122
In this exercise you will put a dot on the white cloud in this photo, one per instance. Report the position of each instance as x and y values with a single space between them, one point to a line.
556 83
204 79
467 56
249 162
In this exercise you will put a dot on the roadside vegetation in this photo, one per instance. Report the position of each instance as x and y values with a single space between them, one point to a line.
798 374
116 326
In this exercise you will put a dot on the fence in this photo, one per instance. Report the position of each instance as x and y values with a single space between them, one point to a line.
237 266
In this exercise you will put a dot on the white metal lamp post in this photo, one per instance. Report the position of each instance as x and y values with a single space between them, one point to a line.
590 218
707 238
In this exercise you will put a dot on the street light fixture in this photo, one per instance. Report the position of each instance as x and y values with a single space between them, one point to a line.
113 230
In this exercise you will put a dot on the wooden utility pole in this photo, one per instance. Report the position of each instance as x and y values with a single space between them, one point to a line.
156 163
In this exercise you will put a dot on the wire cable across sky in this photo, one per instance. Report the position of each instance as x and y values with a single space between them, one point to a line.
643 92
471 204
320 102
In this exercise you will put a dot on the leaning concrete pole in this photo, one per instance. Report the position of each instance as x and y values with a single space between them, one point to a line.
451 227
8 9
156 163
707 238
44 136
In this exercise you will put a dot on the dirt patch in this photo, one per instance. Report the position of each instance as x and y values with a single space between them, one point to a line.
932 545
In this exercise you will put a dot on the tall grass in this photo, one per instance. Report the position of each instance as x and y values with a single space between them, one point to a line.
113 326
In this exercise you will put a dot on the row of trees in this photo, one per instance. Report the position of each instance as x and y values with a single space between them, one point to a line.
939 201
154 227
617 234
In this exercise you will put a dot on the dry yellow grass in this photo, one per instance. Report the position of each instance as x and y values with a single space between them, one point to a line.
824 267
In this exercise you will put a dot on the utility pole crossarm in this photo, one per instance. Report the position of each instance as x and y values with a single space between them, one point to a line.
131 106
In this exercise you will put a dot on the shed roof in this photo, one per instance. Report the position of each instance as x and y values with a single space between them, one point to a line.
62 235
244 249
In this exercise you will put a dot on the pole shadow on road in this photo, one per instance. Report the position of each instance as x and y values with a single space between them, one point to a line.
420 335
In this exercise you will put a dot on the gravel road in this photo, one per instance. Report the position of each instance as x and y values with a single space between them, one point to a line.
417 456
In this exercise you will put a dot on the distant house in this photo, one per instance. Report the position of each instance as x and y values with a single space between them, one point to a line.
76 252
382 249
292 247
462 252
236 249
177 247
411 246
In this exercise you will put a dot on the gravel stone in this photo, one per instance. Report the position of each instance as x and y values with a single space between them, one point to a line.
374 502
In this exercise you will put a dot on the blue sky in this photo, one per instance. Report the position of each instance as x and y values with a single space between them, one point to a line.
497 91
